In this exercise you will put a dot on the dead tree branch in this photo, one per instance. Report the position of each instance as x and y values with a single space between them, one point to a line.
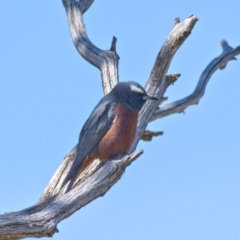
106 61
219 62
158 82
42 218
178 34
148 135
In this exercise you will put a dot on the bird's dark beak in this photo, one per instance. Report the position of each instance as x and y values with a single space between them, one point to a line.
147 97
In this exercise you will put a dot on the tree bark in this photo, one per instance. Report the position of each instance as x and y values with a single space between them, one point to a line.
42 218
105 61
219 62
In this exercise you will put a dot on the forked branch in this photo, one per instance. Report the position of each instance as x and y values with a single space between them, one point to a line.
157 79
158 82
106 61
42 218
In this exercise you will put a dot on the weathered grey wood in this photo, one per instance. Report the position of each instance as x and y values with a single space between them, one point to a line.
106 61
148 135
219 62
42 218
158 82
54 206
85 4
169 48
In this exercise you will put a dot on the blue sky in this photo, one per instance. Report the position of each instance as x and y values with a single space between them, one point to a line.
187 183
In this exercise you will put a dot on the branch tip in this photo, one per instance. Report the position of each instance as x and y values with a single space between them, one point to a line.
163 99
127 160
221 67
136 154
172 78
148 135
225 45
114 45
195 18
84 5
176 21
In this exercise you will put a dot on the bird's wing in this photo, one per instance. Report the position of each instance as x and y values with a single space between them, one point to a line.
100 120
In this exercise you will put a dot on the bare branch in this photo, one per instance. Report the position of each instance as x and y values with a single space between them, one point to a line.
42 218
114 45
54 206
85 5
158 82
180 30
106 61
183 29
172 78
148 135
176 21
219 62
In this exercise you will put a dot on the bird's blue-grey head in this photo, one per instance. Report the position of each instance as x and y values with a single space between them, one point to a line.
131 94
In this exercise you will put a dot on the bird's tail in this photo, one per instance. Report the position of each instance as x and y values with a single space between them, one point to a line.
73 172
71 182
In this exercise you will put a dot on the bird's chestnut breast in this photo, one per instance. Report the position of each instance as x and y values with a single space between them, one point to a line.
119 137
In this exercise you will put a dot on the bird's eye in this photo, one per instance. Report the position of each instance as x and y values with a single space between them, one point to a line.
140 94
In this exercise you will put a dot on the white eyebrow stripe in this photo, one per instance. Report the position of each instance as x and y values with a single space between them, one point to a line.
136 89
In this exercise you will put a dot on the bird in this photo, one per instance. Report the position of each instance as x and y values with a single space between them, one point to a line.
110 129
